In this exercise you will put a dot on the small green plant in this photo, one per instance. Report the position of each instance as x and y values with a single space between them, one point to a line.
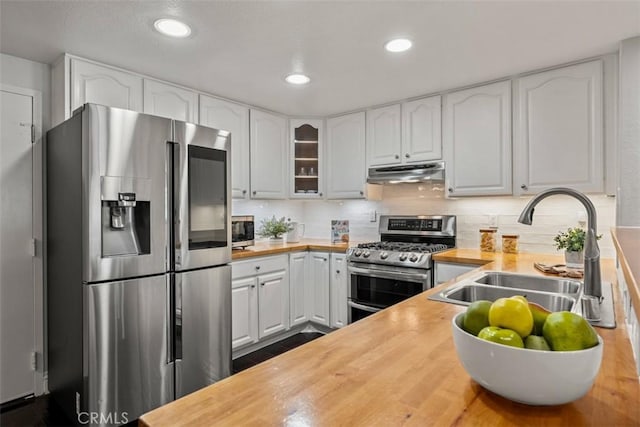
274 228
572 240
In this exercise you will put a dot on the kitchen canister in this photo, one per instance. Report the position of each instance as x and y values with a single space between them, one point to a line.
510 243
488 239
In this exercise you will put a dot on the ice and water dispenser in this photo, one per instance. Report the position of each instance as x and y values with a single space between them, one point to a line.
126 224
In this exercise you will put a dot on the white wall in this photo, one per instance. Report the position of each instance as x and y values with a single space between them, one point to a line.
552 215
628 212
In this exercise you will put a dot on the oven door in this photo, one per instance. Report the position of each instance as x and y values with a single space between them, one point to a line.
374 287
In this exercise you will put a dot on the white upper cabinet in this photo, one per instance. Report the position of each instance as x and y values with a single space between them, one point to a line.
234 118
269 164
384 144
307 162
421 130
346 173
104 85
558 130
161 99
477 140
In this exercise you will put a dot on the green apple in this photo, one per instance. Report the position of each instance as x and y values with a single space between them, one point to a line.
476 317
565 331
501 336
534 342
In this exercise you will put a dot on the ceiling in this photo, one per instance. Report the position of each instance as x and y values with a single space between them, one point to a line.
243 49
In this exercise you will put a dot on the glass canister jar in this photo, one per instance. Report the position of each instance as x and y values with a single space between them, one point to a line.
510 243
488 239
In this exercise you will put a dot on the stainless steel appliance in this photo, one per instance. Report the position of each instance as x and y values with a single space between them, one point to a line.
139 241
399 266
242 231
418 172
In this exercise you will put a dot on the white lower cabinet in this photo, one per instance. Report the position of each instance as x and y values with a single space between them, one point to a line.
298 287
338 284
319 288
259 298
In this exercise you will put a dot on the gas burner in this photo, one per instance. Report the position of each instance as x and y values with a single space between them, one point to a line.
405 246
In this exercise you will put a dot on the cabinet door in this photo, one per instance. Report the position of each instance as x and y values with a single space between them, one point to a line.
307 163
346 161
477 140
105 86
383 136
234 118
319 292
161 99
559 130
421 136
273 301
268 156
339 290
244 312
297 287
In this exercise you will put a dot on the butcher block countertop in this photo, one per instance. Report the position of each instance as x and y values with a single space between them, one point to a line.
399 367
262 248
627 242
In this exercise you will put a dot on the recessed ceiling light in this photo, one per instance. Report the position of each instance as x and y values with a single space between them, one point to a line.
172 27
398 45
297 79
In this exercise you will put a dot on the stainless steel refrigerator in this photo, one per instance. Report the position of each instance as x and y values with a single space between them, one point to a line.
138 246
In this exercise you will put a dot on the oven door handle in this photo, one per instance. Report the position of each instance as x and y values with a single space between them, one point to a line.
387 275
363 307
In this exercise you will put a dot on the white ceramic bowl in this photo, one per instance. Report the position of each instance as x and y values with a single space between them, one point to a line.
534 377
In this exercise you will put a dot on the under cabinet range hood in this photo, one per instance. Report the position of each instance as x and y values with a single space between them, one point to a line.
405 174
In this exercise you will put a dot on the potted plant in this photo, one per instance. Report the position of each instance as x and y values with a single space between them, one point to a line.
274 228
572 241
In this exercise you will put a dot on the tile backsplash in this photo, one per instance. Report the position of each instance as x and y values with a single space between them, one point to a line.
552 215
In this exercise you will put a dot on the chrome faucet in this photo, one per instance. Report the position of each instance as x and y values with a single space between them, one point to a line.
592 281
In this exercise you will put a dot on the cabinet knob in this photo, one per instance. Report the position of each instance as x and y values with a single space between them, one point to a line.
337 271
450 190
244 191
253 286
397 156
407 155
361 193
523 186
257 267
262 284
320 194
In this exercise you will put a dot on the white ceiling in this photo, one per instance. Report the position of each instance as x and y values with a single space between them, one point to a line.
242 50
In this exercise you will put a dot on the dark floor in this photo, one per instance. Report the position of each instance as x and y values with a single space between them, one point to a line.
42 412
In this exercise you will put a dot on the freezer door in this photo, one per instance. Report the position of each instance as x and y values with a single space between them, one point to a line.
124 199
201 197
127 357
203 328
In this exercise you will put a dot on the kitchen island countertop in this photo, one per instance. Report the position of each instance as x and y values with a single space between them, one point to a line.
399 367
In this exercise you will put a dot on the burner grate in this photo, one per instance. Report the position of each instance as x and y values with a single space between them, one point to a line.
405 246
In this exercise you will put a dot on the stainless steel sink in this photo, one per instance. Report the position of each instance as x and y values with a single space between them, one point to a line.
536 283
469 292
554 294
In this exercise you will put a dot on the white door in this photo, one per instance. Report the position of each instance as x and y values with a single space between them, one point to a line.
319 292
559 131
273 299
346 161
383 136
339 290
477 140
297 284
244 312
234 118
17 315
161 99
421 135
268 156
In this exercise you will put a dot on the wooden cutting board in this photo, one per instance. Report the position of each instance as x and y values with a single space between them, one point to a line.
559 269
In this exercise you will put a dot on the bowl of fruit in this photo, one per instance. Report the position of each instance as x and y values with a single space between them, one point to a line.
521 351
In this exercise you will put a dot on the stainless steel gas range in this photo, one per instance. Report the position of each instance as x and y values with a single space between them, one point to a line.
399 266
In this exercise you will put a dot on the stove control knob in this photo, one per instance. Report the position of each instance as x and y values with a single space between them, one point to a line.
357 252
413 257
366 254
403 257
384 255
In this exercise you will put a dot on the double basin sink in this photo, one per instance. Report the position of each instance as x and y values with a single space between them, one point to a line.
551 293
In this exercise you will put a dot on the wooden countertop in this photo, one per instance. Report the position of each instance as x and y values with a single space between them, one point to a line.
262 248
399 367
627 242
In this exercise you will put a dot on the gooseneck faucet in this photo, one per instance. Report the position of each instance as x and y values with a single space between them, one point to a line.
592 282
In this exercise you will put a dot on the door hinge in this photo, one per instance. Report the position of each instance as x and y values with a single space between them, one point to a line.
32 247
34 359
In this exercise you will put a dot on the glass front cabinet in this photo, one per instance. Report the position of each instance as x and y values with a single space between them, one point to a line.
307 159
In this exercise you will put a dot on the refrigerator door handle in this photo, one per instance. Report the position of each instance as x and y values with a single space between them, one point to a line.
178 316
176 243
170 321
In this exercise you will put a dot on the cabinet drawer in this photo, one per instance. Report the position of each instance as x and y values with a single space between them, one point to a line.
258 266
